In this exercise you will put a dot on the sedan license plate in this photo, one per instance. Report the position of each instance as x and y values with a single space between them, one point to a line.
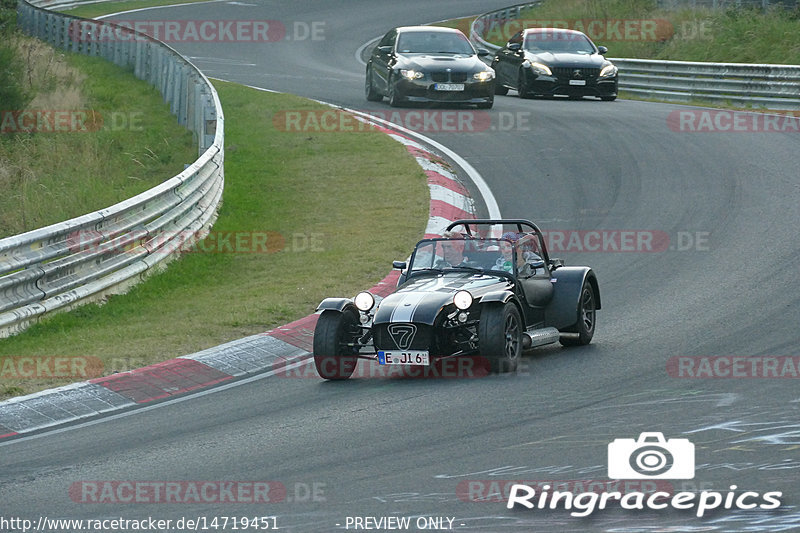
577 82
408 357
448 86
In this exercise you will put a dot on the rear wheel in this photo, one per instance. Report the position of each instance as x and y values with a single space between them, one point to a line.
369 88
500 336
587 314
334 355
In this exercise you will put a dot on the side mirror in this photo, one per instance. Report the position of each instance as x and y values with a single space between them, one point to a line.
385 49
602 49
482 52
399 265
514 47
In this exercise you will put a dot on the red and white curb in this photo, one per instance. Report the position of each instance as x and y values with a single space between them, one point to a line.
272 350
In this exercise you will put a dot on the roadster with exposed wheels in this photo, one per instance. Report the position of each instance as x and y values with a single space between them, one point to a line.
476 292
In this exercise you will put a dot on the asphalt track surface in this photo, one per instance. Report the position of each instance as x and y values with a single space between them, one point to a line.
408 447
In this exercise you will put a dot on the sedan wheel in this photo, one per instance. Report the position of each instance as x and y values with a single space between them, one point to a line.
369 88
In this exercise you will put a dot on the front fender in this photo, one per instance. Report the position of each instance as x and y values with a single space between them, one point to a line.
562 311
497 296
335 304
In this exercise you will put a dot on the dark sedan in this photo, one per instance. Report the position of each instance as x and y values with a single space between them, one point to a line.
428 64
553 61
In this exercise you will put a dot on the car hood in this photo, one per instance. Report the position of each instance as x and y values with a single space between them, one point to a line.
566 59
436 62
420 299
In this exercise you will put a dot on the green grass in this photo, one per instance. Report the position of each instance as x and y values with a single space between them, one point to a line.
95 10
346 204
725 35
50 177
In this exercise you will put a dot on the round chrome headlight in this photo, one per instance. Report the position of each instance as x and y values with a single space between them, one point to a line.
364 301
462 299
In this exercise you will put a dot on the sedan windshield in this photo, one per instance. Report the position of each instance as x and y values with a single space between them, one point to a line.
420 42
558 42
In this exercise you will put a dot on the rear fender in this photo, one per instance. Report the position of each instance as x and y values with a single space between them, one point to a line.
562 311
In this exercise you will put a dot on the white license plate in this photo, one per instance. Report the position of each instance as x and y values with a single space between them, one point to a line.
408 357
448 86
577 82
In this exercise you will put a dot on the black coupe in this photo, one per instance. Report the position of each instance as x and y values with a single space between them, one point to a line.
428 64
463 295
552 61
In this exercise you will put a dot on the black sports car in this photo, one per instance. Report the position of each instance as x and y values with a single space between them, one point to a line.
428 64
551 61
461 296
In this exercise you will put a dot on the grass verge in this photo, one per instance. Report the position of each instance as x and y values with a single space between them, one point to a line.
344 204
99 136
96 10
732 35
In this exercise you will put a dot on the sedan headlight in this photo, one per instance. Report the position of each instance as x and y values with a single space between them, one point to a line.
411 74
486 75
538 68
608 71
462 300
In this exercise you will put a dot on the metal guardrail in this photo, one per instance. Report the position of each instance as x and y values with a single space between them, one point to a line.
740 84
86 258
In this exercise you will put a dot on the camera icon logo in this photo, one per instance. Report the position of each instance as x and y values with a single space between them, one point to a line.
651 457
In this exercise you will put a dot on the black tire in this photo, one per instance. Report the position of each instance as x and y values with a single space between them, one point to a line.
587 319
332 357
502 90
500 336
486 105
395 100
608 98
369 89
522 85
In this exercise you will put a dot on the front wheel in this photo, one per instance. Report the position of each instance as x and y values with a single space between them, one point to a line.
587 315
369 89
395 100
608 98
486 105
334 336
500 336
522 85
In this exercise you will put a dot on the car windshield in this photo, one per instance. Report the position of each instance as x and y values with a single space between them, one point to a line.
421 42
469 254
558 42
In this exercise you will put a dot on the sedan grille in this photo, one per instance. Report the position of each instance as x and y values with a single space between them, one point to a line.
449 77
575 73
